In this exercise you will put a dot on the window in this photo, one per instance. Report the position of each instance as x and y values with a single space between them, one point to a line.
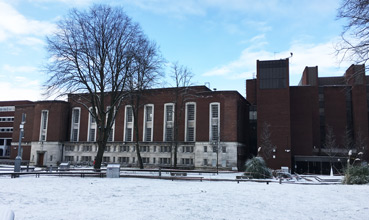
6 119
168 121
187 161
145 160
165 149
145 148
69 158
165 161
187 149
128 131
7 108
215 149
106 159
92 127
205 148
6 129
214 122
87 148
43 126
86 158
124 148
190 122
69 148
107 148
148 122
224 149
75 124
205 162
123 160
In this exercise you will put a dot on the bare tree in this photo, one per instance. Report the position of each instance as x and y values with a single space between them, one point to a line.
330 145
361 146
348 141
266 146
182 77
355 36
146 74
93 54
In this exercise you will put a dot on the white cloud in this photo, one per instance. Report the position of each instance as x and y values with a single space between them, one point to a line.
67 2
321 55
12 23
15 90
19 69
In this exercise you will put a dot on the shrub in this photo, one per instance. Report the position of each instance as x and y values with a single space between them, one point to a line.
257 169
356 175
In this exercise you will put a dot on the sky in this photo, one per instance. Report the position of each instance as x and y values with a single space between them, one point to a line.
218 40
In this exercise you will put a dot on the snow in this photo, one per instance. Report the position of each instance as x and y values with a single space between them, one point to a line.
57 198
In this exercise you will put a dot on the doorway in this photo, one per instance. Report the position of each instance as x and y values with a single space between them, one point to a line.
40 159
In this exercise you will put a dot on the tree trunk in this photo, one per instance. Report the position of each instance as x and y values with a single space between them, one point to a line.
100 152
136 109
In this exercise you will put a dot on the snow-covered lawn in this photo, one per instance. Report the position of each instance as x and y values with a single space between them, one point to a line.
129 198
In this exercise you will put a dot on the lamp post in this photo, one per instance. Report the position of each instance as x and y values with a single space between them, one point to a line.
18 159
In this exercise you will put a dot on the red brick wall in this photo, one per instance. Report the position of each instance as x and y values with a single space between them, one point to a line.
304 109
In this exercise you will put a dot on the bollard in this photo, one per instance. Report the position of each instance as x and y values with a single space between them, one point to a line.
159 172
51 168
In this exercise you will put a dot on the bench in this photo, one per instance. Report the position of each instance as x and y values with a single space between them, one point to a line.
187 178
178 173
244 177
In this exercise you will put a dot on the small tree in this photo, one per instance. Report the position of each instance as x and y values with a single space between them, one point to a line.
361 146
182 77
356 175
330 144
147 66
266 146
257 169
348 142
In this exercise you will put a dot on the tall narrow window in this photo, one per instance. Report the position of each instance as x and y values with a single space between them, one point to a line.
75 124
128 125
214 122
91 128
111 134
190 122
168 121
148 122
43 126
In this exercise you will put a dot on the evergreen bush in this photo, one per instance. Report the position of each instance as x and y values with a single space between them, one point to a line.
356 175
256 168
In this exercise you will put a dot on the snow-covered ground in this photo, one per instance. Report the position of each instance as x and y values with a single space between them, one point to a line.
130 198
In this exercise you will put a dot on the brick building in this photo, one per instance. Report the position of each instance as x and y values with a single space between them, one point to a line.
212 126
300 116
7 111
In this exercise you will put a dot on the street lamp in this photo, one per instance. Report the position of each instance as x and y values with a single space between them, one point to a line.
18 159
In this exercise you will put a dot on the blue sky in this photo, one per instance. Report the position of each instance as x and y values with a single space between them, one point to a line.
218 40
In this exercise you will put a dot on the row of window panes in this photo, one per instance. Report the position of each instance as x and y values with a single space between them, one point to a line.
214 162
185 149
145 160
7 108
190 109
6 119
126 160
6 129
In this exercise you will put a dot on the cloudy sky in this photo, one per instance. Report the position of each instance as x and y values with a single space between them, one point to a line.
218 40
